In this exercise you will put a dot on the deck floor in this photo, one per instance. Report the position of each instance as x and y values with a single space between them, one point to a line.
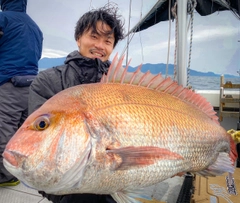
22 194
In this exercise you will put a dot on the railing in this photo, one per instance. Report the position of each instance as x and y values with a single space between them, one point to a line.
229 105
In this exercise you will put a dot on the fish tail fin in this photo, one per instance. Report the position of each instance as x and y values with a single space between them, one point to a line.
221 165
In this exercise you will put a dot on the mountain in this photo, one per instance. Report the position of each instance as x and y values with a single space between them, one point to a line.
45 63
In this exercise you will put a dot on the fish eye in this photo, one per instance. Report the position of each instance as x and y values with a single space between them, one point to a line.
41 123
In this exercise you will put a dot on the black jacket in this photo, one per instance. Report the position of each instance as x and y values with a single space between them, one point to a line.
76 70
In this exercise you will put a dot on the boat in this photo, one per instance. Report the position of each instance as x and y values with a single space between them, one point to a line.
188 188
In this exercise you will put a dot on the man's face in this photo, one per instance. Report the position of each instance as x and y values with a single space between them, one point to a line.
96 45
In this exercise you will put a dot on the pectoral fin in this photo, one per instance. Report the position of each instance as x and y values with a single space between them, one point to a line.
127 157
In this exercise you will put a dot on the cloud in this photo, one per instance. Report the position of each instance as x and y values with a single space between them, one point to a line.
215 47
50 53
218 32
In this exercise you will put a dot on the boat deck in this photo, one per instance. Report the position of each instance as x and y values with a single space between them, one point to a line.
22 194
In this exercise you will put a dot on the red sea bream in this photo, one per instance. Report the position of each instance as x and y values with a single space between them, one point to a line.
116 137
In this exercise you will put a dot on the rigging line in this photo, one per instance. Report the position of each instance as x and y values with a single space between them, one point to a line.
192 5
140 33
174 12
169 36
129 21
90 6
127 45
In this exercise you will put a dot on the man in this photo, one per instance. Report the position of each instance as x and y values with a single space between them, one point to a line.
20 49
97 32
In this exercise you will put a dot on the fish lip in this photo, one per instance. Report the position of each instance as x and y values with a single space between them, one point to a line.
12 169
13 158
8 165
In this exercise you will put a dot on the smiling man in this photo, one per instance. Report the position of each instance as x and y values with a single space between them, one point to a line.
97 32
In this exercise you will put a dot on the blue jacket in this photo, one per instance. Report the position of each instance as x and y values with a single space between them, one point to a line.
21 42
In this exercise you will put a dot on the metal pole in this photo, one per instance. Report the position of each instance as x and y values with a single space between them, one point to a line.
182 42
238 124
129 21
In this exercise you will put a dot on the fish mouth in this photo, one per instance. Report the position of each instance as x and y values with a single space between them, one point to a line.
64 181
16 172
13 162
13 158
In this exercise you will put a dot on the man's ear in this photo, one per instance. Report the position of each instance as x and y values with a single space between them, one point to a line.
78 42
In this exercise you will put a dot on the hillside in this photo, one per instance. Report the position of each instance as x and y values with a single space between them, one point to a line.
45 63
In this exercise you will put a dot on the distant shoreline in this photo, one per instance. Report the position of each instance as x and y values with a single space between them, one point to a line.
46 63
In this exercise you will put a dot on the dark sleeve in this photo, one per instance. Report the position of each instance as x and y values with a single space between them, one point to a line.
79 198
44 86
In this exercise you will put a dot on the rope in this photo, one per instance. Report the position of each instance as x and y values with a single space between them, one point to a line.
174 12
140 33
169 37
129 21
90 5
191 6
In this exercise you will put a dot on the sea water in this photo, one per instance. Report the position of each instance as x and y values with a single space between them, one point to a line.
209 83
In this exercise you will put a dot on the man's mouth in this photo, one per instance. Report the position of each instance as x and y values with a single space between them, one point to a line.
97 54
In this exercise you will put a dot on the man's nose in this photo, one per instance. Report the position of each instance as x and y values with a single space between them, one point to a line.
99 44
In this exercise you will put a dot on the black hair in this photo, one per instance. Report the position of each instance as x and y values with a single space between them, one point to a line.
108 15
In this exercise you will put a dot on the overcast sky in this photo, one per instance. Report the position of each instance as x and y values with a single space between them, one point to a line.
215 37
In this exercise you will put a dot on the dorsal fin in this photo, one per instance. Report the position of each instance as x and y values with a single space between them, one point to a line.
119 74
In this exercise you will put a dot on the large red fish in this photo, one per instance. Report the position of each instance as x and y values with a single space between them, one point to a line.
116 137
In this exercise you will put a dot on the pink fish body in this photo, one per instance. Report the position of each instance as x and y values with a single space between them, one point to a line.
116 137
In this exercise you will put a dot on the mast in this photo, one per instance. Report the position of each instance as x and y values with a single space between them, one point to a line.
182 42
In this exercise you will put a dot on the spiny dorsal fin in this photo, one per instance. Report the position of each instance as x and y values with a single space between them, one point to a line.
119 74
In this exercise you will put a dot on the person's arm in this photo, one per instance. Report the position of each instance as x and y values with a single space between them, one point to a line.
43 87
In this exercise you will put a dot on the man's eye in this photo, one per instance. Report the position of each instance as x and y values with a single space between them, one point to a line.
109 42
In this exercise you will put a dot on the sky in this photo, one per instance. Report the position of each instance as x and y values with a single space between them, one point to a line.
216 37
